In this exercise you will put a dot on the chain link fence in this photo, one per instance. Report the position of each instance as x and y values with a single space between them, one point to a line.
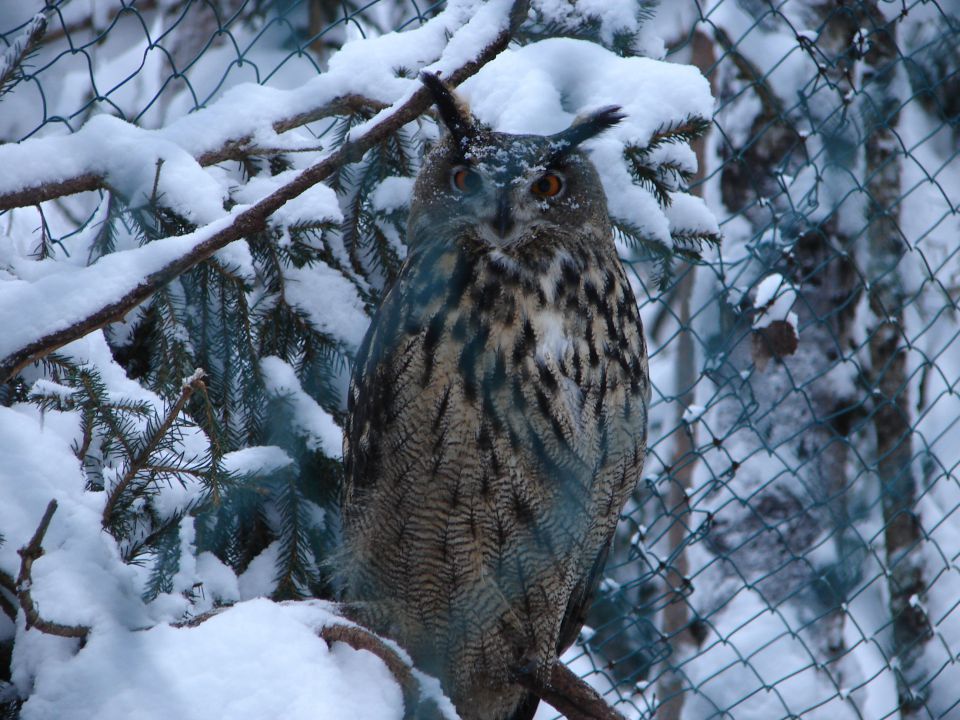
794 549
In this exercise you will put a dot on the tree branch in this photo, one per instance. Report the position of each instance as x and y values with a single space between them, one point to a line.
139 461
233 149
8 584
28 554
361 639
569 694
254 219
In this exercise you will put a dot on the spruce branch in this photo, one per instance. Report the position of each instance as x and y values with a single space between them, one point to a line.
28 554
141 459
12 59
569 694
682 131
254 219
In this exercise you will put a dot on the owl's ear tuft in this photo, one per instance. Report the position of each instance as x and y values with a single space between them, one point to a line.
584 128
452 109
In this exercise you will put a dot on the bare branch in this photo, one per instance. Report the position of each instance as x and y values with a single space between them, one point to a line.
569 694
361 639
253 219
28 554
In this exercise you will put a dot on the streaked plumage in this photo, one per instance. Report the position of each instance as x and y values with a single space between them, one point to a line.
497 414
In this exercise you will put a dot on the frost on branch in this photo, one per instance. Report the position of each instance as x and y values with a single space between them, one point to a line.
13 58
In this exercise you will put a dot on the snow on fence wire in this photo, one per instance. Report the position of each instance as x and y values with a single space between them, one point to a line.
793 550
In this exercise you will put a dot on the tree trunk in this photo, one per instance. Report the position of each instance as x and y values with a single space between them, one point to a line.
676 615
888 358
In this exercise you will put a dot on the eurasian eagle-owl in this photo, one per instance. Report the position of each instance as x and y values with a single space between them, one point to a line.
497 414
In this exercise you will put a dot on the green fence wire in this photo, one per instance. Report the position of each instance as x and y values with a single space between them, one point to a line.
793 551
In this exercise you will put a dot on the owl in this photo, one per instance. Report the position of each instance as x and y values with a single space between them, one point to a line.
497 413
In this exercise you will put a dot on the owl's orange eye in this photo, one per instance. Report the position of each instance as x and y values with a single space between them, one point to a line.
465 180
547 186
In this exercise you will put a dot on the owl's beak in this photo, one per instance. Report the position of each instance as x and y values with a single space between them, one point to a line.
503 220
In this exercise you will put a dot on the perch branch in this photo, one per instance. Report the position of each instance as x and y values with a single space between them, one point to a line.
254 218
360 639
28 554
569 694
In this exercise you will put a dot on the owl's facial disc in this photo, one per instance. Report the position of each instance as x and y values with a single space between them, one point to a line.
507 186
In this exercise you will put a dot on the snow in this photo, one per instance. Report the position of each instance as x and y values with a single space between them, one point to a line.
256 460
613 16
314 423
254 660
693 413
775 297
541 88
329 300
317 204
130 159
67 297
259 579
393 193
80 579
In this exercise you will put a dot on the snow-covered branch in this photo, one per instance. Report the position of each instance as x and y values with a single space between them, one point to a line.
43 187
124 280
108 152
28 554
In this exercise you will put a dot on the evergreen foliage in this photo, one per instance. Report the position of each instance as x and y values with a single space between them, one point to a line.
663 178
16 57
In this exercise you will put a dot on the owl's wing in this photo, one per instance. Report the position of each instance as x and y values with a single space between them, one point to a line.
580 601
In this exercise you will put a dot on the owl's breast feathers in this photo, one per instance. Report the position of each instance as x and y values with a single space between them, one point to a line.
497 426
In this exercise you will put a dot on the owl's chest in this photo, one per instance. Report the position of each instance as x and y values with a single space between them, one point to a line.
468 357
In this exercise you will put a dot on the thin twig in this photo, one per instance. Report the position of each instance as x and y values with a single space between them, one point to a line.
569 694
28 554
10 585
254 219
139 462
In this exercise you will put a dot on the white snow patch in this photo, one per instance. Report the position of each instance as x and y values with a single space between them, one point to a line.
260 577
258 659
393 193
330 301
775 297
256 460
315 424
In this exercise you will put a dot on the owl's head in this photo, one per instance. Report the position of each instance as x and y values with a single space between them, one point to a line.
502 189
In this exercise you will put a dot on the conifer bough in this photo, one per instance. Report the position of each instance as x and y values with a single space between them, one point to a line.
254 219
